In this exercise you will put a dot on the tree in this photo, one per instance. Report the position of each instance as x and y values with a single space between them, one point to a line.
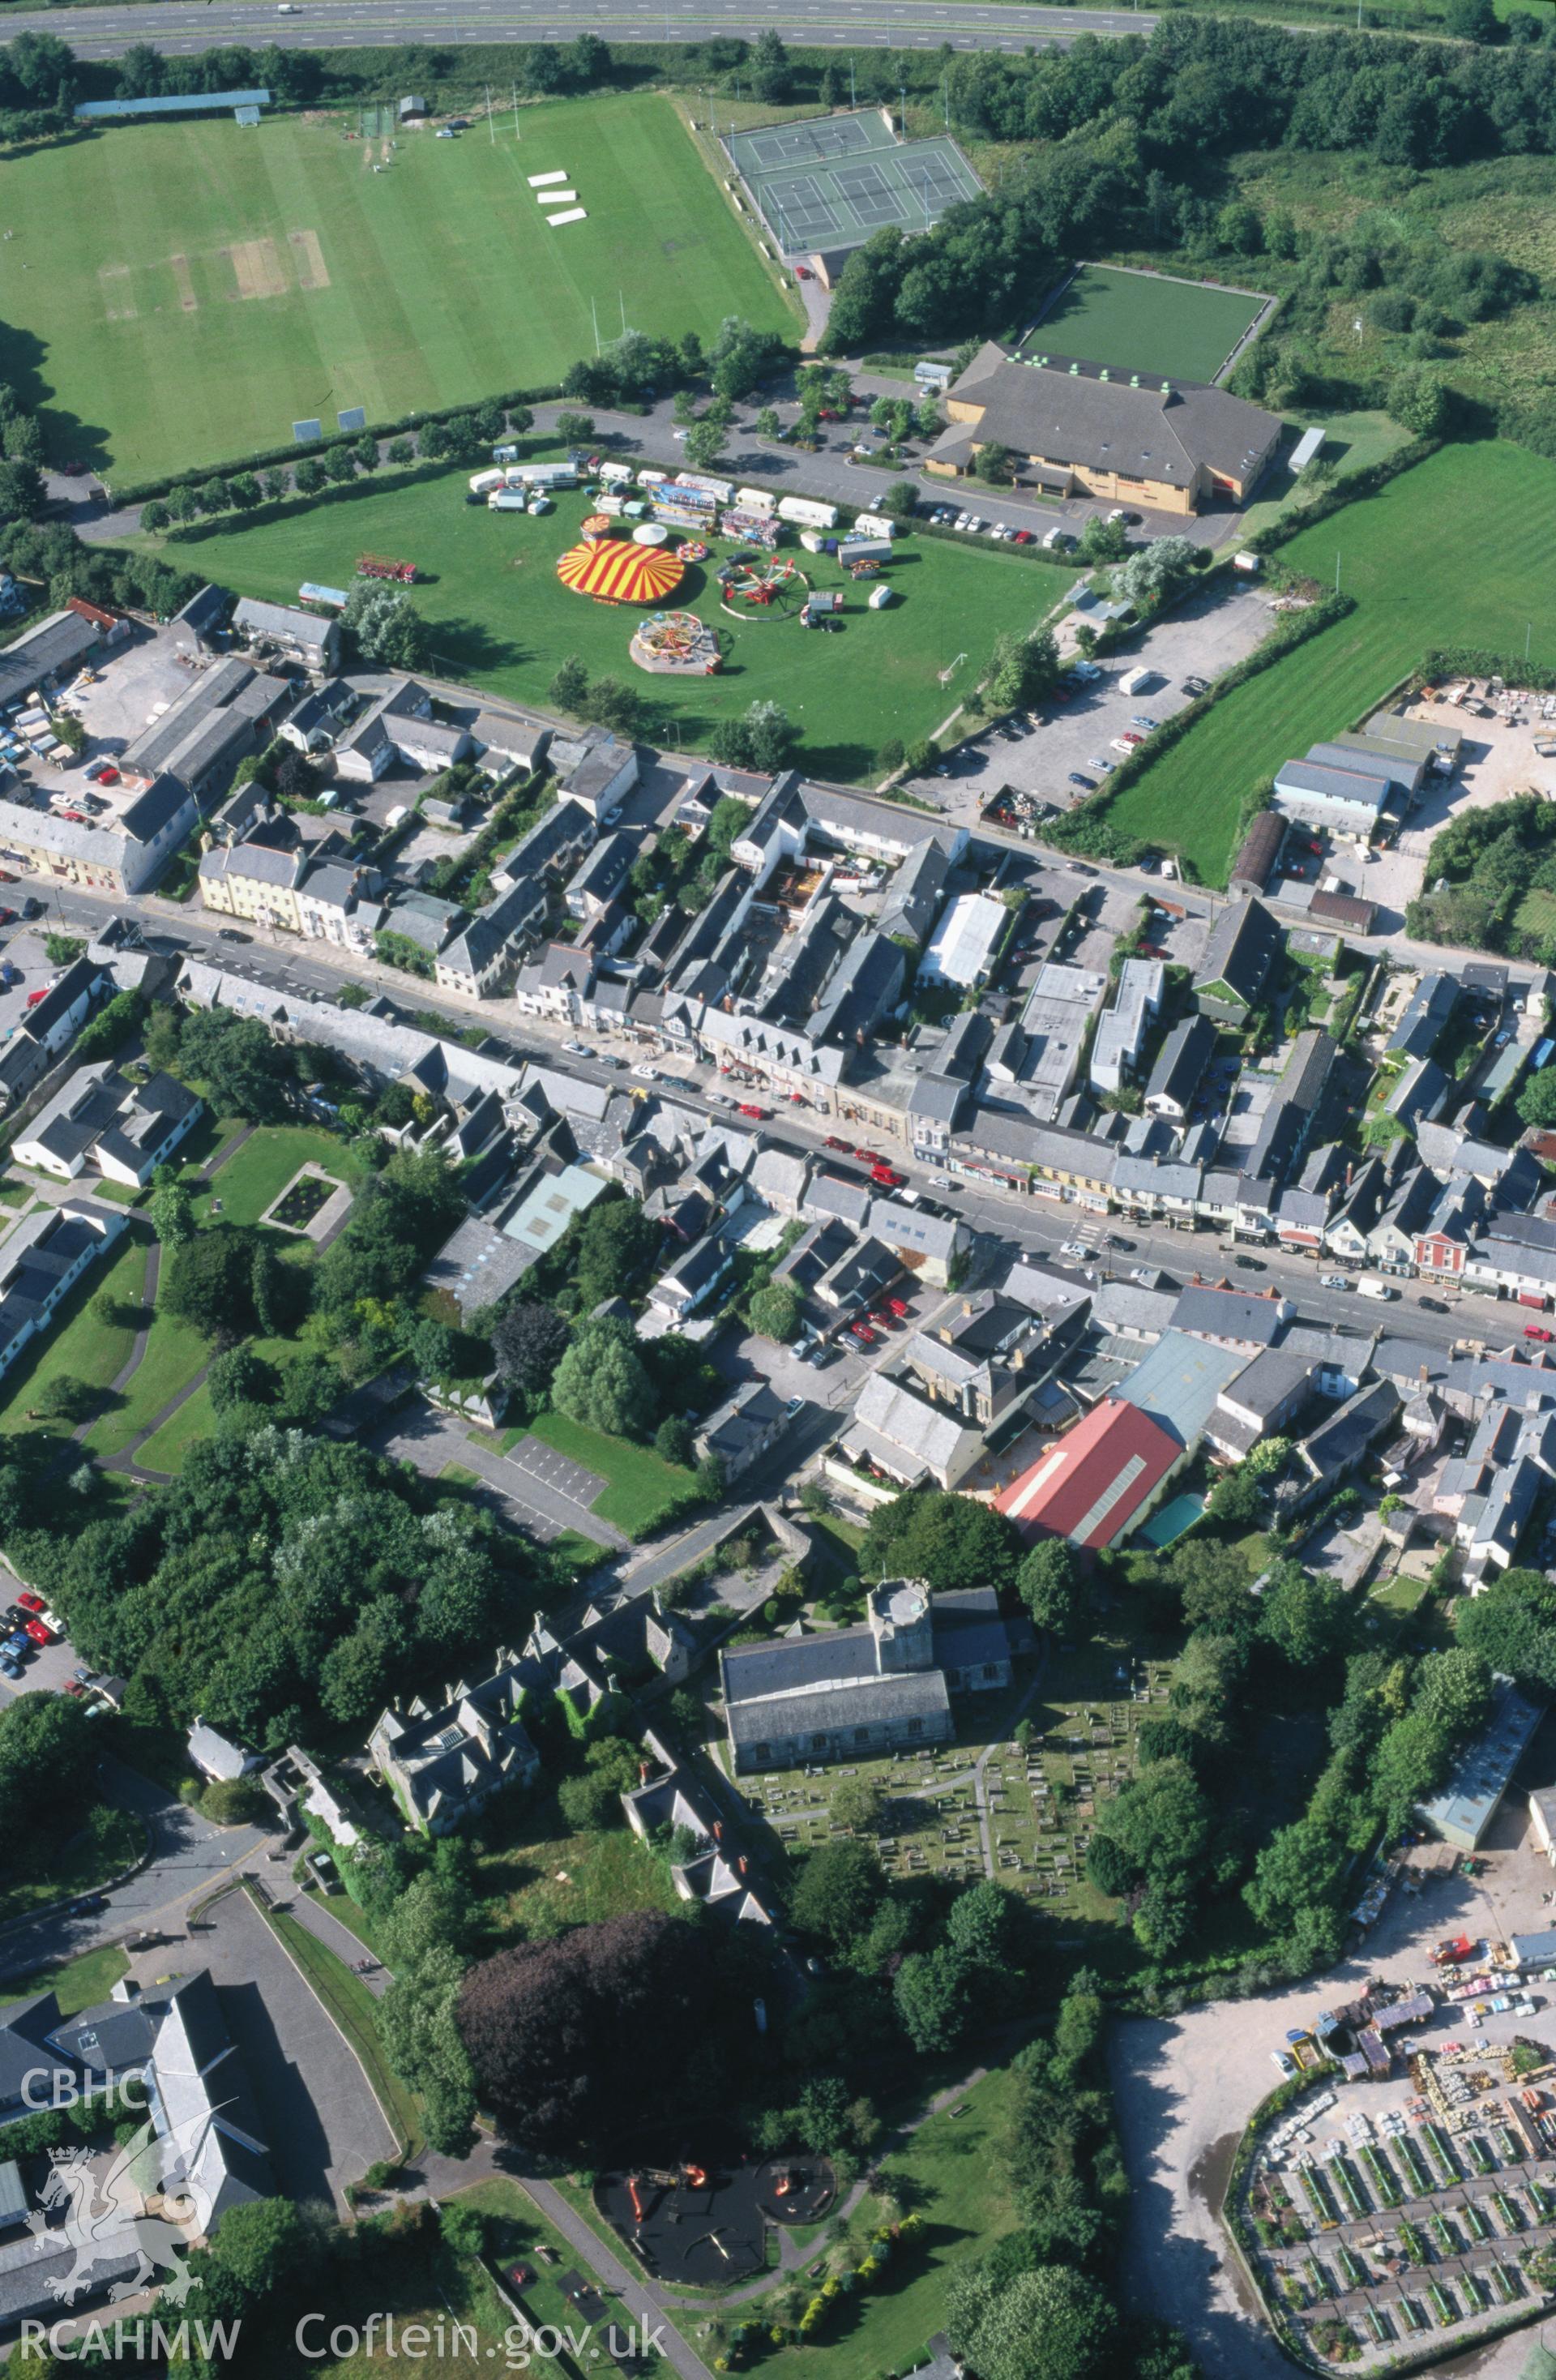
244 1071
172 1211
259 2246
705 444
767 423
1051 1586
418 2020
575 428
307 477
601 1381
951 1540
1513 1627
901 501
931 1994
859 1805
340 465
674 1441
569 687
48 1761
557 2032
1103 540
1473 21
926 418
64 1398
1160 1823
1214 1579
615 1242
980 1925
528 1340
1301 1867
994 464
1048 2324
774 1312
1305 1619
770 77
238 1377
208 1283
837 1893
1416 399
1023 670
386 626
1536 1102
1157 574
589 1802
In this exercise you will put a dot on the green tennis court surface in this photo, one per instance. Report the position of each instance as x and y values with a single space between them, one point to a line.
1143 323
192 289
831 182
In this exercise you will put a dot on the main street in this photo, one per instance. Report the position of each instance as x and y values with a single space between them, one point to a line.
178 29
1004 1223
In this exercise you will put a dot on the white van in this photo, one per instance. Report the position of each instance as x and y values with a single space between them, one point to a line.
1371 1286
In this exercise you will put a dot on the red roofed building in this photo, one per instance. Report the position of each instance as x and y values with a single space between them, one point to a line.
1097 1481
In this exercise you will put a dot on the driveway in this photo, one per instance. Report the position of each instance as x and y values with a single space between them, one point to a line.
188 1855
318 2117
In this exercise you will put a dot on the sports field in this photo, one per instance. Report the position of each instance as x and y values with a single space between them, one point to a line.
1496 502
1143 323
503 620
178 294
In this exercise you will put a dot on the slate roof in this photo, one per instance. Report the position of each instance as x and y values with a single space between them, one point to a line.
1228 1314
1244 944
1106 425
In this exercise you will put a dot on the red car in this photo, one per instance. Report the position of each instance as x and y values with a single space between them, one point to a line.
886 1178
898 1307
802 273
39 1633
749 1108
868 1155
1022 537
832 1141
7 917
29 1601
76 818
103 775
1538 1331
860 1331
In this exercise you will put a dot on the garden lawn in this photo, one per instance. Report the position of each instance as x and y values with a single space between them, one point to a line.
541 1879
1145 323
81 1346
174 1353
501 619
196 288
952 2172
168 1448
641 1487
80 1983
1482 588
252 1179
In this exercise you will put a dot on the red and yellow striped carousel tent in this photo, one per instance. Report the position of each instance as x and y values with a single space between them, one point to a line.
619 572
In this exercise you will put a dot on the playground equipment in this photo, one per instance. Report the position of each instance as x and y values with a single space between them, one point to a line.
596 527
676 644
378 566
761 582
691 549
635 2195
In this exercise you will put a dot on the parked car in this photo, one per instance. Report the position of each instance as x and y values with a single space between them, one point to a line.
1435 1304
1333 1281
1279 2059
10 1666
832 1141
1250 1264
1075 1250
749 1108
862 1331
577 1049
1088 784
646 1074
718 1099
231 934
1538 1331
28 1600
39 1633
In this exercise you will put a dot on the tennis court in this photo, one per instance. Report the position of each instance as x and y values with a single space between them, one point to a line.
832 182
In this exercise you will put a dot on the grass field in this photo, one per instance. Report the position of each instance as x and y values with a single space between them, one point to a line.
193 289
641 1487
1139 323
503 620
1410 595
252 1180
81 1347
